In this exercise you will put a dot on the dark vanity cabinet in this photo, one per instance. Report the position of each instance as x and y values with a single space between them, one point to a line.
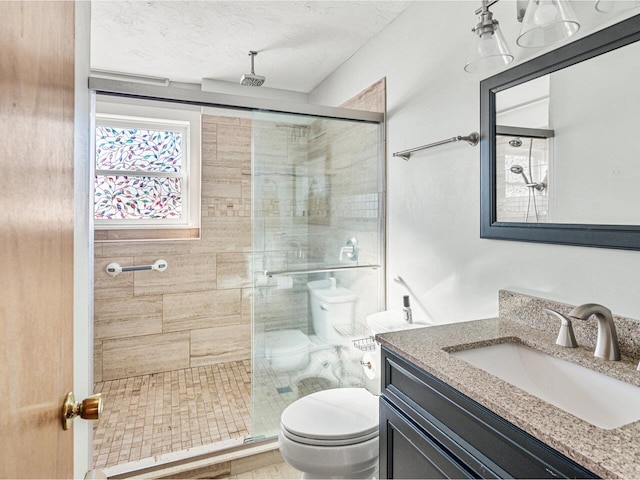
430 430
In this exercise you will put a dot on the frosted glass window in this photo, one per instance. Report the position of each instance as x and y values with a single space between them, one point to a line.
140 172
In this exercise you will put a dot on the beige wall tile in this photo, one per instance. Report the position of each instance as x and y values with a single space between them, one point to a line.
247 294
220 344
233 270
146 248
221 120
137 316
106 286
223 182
184 273
209 142
198 310
234 145
224 234
128 357
97 361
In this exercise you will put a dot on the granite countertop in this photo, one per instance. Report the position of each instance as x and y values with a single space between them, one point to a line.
608 453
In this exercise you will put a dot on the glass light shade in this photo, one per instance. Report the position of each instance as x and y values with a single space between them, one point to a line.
615 6
488 52
547 22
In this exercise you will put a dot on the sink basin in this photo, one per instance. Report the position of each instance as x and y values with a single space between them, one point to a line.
601 400
391 321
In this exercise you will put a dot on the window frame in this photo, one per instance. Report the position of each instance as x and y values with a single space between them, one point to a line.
155 118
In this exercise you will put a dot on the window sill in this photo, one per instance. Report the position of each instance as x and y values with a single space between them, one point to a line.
145 234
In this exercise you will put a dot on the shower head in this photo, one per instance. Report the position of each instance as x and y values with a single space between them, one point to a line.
518 170
251 79
516 142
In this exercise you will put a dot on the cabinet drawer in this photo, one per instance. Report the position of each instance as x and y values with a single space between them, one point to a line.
489 445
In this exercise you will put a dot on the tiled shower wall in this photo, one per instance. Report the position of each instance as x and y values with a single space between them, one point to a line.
198 311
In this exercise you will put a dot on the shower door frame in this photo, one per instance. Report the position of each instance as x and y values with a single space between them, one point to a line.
119 88
137 90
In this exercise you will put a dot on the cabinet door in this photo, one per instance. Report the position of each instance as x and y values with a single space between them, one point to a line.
407 451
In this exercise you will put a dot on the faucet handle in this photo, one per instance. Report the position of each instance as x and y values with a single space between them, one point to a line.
566 338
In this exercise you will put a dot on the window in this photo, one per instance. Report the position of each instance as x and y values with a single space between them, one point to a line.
142 173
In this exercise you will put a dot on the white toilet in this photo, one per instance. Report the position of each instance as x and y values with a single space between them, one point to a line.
332 434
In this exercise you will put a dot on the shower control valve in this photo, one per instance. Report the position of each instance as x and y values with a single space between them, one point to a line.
350 250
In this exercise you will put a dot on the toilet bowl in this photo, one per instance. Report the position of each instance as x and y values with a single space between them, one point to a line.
287 350
332 434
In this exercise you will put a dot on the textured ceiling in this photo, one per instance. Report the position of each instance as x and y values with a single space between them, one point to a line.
299 42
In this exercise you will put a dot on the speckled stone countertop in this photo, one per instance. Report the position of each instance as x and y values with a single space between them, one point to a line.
608 453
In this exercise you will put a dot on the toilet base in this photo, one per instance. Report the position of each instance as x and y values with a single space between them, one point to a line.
341 462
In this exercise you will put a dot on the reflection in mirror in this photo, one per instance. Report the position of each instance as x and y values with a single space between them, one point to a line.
563 144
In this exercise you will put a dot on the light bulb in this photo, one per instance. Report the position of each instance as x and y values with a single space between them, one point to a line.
486 45
545 13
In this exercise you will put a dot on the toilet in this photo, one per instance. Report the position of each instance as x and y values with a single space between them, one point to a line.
332 434
290 350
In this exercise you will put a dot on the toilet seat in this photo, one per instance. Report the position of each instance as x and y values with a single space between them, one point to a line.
335 417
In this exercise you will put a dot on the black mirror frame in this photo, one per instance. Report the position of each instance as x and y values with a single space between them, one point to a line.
607 236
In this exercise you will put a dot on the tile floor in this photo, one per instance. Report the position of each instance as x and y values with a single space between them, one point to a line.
167 412
157 414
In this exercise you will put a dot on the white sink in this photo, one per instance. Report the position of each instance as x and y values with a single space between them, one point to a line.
391 321
601 400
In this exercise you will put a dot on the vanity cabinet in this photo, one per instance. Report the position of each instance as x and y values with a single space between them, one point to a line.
430 430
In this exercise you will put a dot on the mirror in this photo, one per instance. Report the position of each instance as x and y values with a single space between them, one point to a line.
559 163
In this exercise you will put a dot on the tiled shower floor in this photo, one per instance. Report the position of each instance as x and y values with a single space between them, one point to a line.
167 412
163 413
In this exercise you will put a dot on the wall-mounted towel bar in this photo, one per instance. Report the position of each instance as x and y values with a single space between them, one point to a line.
114 269
472 139
270 273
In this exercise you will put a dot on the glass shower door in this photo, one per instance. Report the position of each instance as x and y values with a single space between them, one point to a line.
317 256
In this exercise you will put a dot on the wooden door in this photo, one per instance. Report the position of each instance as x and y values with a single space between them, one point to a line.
36 236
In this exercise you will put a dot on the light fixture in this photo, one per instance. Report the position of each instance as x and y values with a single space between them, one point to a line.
546 22
489 51
615 6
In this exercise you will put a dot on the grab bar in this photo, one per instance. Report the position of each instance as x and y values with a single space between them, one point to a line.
114 269
270 274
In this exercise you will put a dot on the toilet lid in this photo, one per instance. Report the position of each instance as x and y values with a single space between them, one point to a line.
340 416
285 342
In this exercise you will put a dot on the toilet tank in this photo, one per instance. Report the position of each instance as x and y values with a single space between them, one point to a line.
331 306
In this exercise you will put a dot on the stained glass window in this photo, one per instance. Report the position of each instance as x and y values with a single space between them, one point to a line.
140 171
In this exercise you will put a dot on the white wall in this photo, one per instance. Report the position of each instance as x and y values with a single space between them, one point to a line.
433 200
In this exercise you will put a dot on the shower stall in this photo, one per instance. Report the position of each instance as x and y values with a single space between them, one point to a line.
265 306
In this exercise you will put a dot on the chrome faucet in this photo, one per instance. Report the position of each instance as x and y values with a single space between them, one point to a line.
607 346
